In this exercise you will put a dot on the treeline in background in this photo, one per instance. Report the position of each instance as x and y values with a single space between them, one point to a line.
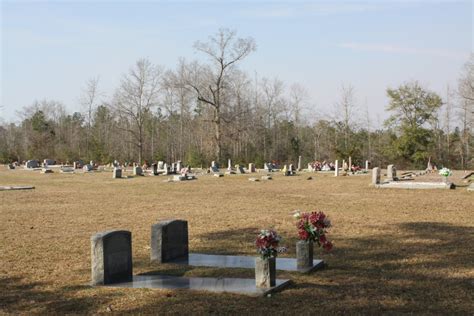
201 112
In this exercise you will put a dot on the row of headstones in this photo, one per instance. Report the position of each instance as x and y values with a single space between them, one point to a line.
391 174
238 168
346 166
111 253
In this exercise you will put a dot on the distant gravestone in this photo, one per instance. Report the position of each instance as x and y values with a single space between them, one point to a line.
239 169
32 164
49 162
165 168
46 170
11 166
169 240
111 257
74 164
214 167
376 175
117 173
154 169
251 167
178 166
160 165
137 171
391 173
87 168
336 168
229 165
366 165
350 163
299 163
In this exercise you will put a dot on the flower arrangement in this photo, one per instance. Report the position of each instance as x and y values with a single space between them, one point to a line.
267 243
445 172
313 227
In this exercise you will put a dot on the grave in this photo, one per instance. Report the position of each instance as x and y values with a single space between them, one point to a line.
415 185
30 164
366 165
239 169
87 168
336 168
137 171
214 167
251 168
111 257
10 166
376 176
169 240
66 169
169 244
49 162
220 285
117 173
391 173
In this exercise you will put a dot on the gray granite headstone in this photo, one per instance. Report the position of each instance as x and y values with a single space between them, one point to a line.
87 167
137 171
111 257
32 164
117 173
376 175
251 167
169 240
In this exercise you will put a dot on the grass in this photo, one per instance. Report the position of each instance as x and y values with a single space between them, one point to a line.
396 251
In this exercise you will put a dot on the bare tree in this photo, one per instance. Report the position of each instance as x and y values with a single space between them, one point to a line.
89 99
224 51
466 108
346 111
136 97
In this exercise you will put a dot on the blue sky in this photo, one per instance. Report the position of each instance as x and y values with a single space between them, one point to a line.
50 48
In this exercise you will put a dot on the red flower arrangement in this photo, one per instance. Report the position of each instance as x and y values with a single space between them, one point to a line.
267 243
313 227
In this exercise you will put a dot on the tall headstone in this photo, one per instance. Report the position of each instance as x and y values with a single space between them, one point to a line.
343 165
169 240
366 165
179 166
117 173
154 168
376 175
229 165
299 163
160 165
350 163
391 173
251 167
336 168
111 257
74 165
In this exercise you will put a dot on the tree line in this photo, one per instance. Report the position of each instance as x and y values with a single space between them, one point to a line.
200 112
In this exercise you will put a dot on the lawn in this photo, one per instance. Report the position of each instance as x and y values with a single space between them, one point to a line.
395 251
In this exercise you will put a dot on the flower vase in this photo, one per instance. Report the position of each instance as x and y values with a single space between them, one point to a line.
304 254
265 272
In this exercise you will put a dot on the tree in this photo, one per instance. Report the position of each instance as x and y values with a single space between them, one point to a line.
466 108
136 97
412 107
225 51
89 98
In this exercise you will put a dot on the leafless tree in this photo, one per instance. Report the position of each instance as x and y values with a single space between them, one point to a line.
136 97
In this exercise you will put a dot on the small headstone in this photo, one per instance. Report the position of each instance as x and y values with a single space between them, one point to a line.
32 164
46 170
117 173
178 166
87 168
375 175
229 165
74 165
137 171
165 168
366 165
169 240
391 173
111 257
336 168
239 169
251 167
66 170
160 165
350 164
154 169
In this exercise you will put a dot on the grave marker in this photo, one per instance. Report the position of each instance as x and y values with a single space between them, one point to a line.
111 257
336 168
376 176
169 240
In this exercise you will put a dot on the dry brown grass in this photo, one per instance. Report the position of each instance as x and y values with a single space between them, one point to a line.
396 251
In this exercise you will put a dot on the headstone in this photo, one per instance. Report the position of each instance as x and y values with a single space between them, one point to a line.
229 165
11 166
169 240
350 164
32 164
111 257
74 164
366 165
165 168
137 171
214 167
91 163
239 169
391 173
178 166
117 173
173 168
49 162
299 163
336 168
265 272
251 167
376 175
46 170
310 167
154 169
267 167
87 168
160 165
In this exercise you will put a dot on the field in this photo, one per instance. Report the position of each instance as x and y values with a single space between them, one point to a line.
395 251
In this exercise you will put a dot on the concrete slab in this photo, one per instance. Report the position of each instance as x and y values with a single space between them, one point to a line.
415 185
218 285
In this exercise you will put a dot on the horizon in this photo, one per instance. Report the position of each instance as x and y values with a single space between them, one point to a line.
50 48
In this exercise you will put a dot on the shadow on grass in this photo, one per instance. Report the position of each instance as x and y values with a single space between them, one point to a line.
419 267
17 296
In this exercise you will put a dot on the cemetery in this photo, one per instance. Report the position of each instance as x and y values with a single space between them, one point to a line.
206 256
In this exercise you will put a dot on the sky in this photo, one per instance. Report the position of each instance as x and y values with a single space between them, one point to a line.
49 49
